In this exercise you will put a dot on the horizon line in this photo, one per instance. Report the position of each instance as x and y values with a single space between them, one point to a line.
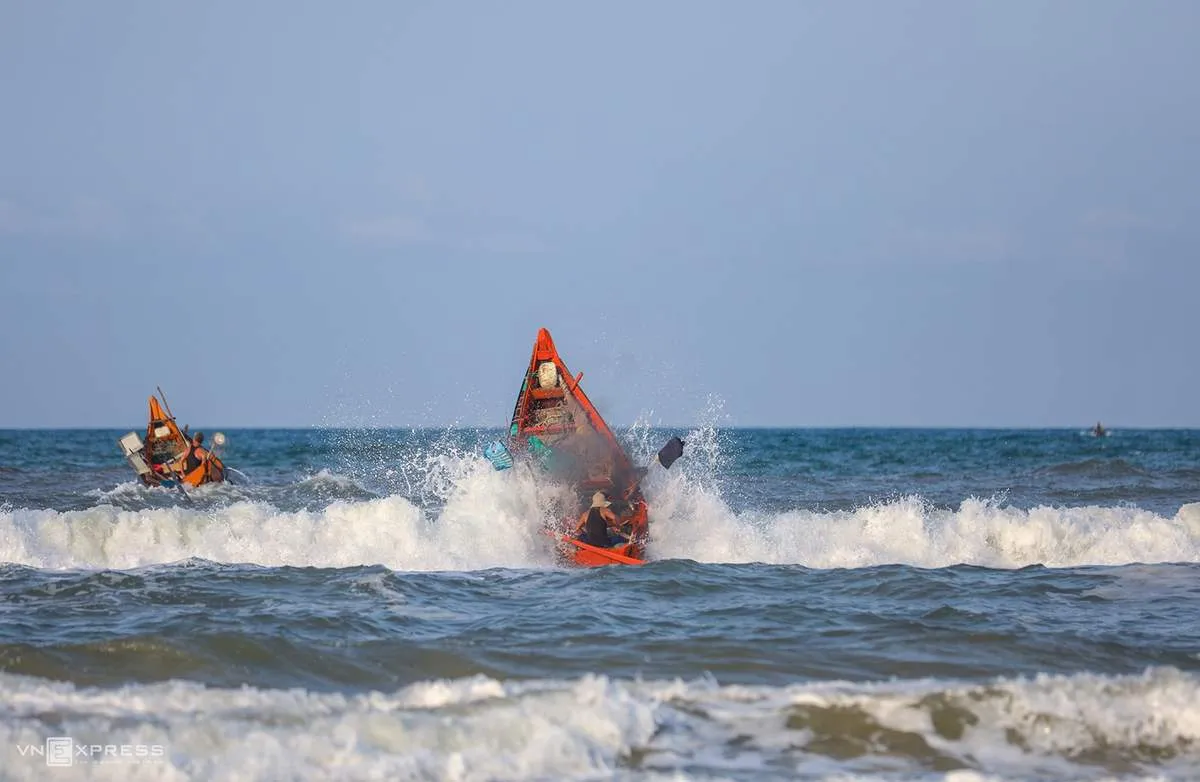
444 427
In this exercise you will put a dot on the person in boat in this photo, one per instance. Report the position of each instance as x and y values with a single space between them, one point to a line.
196 453
599 525
1098 430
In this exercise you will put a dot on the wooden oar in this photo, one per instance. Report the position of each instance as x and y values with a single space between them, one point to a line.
166 404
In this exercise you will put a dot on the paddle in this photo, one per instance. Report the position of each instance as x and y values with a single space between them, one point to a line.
666 456
669 453
218 442
166 404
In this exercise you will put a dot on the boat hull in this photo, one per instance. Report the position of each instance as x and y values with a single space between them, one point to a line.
576 552
555 425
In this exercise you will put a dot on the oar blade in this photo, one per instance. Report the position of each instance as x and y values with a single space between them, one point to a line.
670 452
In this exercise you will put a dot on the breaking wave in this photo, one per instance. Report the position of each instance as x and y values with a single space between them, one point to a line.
910 531
1081 726
443 507
485 519
478 518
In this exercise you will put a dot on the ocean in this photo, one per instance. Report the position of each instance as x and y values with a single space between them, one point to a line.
820 604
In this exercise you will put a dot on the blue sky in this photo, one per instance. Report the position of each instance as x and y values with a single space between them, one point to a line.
888 213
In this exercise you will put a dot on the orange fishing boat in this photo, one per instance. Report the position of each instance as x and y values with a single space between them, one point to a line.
162 460
556 425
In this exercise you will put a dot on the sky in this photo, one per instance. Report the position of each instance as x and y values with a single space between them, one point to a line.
750 214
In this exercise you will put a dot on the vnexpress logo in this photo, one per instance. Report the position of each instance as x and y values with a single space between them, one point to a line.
65 751
60 751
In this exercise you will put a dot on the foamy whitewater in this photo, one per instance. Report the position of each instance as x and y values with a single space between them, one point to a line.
828 604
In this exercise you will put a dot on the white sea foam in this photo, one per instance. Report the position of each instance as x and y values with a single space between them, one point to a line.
1189 515
1081 726
466 516
699 525
487 519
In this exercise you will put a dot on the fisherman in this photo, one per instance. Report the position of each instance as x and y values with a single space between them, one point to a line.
598 524
196 453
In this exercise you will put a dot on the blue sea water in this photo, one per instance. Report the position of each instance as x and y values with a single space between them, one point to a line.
820 604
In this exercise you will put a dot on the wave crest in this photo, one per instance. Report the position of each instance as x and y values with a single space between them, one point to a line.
487 520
